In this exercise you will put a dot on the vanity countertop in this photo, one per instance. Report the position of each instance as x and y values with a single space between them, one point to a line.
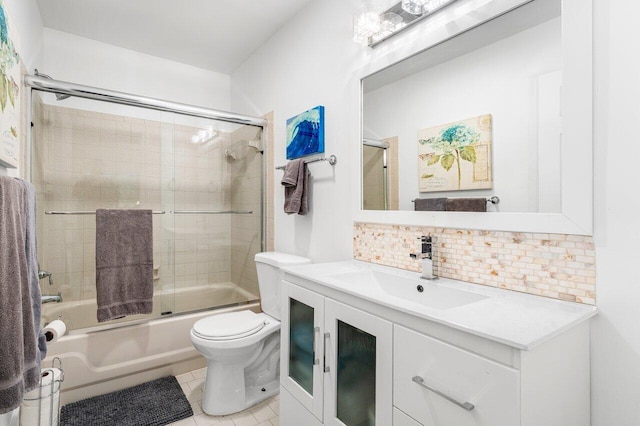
515 319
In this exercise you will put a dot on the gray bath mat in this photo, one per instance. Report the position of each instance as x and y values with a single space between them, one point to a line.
154 403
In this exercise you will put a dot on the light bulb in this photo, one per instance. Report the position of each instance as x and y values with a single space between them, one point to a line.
366 26
430 5
414 7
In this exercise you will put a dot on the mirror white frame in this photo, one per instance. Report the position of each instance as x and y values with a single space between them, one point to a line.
577 138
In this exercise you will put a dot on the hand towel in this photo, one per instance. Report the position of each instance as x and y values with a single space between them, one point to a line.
20 370
124 263
32 264
295 181
429 204
466 204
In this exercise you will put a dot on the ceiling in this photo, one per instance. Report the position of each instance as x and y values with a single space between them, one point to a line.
217 35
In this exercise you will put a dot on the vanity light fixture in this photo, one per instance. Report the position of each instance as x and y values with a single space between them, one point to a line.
371 28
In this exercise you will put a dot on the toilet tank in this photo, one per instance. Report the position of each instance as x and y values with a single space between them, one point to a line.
270 276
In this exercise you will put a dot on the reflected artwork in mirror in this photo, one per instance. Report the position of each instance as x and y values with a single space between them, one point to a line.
455 156
510 67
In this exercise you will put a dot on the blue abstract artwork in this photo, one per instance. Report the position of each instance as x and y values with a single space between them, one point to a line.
305 133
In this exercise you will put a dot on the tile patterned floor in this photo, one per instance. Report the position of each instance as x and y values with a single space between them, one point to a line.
263 414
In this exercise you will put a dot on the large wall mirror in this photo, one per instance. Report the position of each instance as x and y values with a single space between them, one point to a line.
496 104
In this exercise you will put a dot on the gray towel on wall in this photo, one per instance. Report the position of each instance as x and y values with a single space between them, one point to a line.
20 370
429 204
295 181
32 264
466 204
124 263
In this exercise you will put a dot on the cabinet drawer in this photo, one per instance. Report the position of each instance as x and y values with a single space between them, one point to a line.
492 389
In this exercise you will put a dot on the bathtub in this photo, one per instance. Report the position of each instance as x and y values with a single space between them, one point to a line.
99 359
81 314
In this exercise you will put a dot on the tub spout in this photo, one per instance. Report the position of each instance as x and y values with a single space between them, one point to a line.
52 298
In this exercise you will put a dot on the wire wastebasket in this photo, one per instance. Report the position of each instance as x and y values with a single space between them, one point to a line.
41 406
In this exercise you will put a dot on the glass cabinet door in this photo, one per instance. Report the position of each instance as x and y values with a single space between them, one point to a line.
301 347
301 342
359 364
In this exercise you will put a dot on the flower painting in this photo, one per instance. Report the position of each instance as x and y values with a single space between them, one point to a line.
10 83
305 133
456 156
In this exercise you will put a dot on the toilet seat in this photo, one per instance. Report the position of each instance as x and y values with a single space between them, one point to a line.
230 326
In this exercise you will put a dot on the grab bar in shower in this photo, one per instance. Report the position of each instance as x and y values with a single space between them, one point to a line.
212 212
87 212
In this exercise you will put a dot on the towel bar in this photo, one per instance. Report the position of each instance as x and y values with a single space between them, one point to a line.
212 212
86 212
493 200
332 159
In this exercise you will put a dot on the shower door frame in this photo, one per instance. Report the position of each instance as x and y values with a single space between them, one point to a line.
44 84
48 85
384 146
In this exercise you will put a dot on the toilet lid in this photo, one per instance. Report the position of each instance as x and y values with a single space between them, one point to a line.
233 325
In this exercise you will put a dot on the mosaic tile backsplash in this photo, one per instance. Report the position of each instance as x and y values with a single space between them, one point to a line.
552 265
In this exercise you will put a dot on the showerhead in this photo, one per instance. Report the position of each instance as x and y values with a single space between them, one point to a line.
233 152
59 96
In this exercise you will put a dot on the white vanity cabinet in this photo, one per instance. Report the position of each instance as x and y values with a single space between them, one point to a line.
336 362
439 384
355 355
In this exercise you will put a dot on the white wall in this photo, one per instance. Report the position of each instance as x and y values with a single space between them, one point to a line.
80 60
310 61
25 18
500 79
616 331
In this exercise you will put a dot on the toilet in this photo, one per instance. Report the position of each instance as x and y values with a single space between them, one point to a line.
243 348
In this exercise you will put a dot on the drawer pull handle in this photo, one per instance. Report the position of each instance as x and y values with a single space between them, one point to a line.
316 331
466 405
324 357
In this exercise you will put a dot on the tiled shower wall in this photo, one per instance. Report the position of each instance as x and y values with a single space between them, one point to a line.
552 265
245 193
87 160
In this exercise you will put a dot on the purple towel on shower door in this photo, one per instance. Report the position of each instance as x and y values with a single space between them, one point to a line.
124 263
19 354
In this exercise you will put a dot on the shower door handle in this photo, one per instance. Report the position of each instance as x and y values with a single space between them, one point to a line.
316 331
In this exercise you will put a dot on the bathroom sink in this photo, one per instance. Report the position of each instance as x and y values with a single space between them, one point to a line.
405 290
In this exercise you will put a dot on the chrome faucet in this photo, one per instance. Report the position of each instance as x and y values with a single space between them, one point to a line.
427 258
53 298
44 274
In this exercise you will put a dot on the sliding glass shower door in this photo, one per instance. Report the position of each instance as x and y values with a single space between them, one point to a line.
218 213
202 179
